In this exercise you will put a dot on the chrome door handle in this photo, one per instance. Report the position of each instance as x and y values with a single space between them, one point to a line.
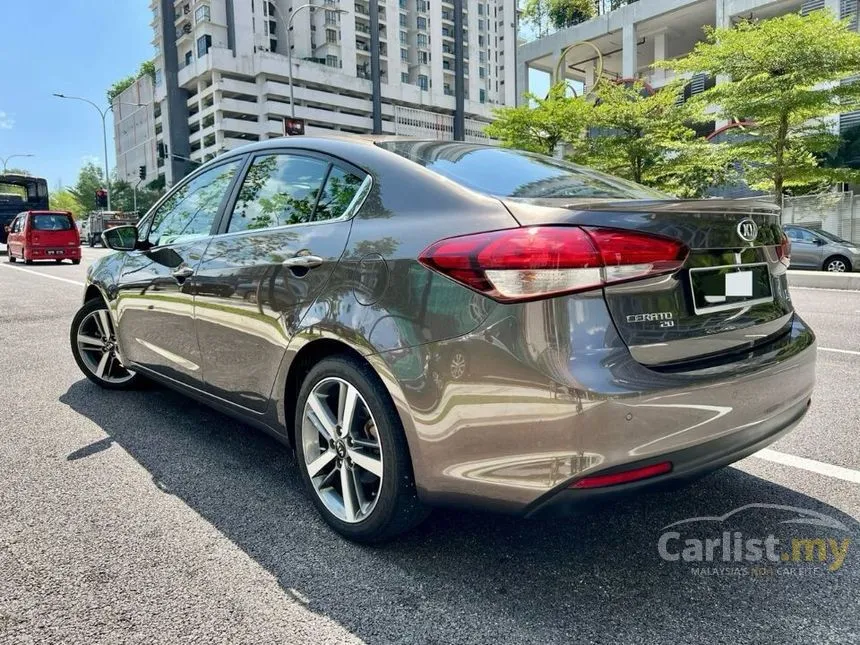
184 272
303 261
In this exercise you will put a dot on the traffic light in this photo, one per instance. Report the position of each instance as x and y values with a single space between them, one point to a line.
141 172
101 198
294 127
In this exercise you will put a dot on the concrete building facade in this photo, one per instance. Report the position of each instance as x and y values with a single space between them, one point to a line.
633 37
134 112
222 70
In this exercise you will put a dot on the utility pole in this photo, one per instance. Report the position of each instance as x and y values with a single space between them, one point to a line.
375 79
459 74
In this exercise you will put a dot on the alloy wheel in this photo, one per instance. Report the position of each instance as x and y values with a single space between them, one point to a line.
837 266
97 345
342 449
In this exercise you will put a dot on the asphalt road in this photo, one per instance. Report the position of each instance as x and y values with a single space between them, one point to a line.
143 517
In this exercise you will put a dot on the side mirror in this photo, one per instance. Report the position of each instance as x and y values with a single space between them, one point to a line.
120 238
819 241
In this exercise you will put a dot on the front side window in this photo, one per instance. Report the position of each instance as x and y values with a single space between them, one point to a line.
188 213
800 235
282 189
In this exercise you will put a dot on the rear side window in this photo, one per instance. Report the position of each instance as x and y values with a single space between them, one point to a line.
282 189
513 173
51 222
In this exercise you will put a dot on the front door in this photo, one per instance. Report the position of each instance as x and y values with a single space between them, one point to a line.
155 301
805 249
280 243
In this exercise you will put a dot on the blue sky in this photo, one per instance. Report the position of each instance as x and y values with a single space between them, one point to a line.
75 47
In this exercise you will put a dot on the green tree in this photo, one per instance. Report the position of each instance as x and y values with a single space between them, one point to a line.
542 126
566 13
535 14
64 200
119 87
90 179
785 75
647 137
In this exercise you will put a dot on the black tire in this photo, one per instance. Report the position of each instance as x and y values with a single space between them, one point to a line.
26 261
58 261
397 508
9 256
89 307
846 263
76 261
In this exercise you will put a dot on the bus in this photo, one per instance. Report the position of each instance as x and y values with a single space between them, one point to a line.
20 193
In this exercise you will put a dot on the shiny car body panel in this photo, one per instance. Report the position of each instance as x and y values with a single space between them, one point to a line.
501 404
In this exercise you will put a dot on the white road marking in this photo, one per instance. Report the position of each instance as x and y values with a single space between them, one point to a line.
44 275
839 351
829 470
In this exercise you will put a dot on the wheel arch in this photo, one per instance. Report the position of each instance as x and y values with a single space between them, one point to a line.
312 351
838 256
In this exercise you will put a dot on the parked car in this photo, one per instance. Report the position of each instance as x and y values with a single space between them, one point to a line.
450 323
816 249
43 235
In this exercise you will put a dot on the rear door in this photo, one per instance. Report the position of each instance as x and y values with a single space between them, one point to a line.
155 302
279 244
53 232
15 239
806 251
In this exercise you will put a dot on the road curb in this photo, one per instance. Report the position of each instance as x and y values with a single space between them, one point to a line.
824 280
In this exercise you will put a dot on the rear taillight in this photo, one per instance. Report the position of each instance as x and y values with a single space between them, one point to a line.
783 251
530 263
624 477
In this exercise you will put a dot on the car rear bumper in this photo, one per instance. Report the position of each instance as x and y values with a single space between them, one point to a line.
688 465
535 410
52 253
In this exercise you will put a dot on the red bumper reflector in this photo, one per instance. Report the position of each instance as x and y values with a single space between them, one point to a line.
624 477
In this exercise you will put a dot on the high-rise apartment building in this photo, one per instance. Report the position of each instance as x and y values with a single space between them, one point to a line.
222 69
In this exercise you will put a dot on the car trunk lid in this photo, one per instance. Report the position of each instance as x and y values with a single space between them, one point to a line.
730 295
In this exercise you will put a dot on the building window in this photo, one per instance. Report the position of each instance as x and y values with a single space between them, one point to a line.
330 36
404 77
423 58
482 57
203 45
421 22
402 4
480 41
403 36
423 83
404 53
189 56
158 76
331 61
202 13
330 17
482 72
422 40
480 24
273 45
404 21
482 96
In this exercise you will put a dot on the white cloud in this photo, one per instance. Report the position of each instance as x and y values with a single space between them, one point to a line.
6 121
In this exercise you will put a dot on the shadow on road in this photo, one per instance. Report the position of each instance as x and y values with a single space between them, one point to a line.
471 577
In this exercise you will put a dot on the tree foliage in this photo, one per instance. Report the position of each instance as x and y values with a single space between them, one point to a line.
566 13
784 75
647 137
543 15
147 68
542 127
64 200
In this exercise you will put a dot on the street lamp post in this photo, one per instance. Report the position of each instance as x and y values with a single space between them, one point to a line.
103 115
289 23
6 160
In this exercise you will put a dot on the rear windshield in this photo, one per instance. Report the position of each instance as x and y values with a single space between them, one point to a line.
513 173
51 222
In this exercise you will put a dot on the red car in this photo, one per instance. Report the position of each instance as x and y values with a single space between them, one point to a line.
44 235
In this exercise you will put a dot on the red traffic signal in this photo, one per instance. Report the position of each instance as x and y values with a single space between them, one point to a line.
294 127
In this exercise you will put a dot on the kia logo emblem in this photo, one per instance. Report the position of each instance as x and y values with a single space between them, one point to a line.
747 230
